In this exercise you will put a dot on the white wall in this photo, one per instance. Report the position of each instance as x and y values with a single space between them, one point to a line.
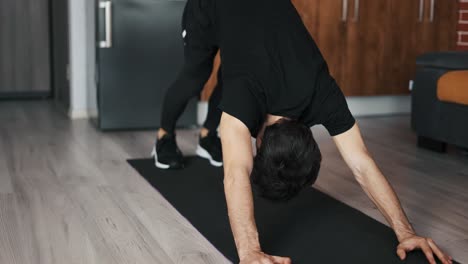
91 94
81 38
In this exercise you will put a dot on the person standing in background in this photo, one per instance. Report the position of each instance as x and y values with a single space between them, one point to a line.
200 51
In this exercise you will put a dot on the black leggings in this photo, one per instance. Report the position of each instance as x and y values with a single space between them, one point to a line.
189 83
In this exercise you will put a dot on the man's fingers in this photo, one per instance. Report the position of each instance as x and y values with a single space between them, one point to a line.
428 252
281 260
401 253
444 258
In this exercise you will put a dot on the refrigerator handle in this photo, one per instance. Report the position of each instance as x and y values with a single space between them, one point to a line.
107 42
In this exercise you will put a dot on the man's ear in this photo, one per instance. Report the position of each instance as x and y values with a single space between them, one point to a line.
260 133
258 142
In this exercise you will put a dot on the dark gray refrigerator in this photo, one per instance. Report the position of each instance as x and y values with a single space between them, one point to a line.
139 52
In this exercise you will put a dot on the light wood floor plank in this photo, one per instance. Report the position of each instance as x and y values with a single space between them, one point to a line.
8 226
113 230
172 230
6 185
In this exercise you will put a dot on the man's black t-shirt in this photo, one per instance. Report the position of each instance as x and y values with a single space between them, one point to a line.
271 65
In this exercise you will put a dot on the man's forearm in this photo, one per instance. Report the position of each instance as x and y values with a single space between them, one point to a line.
241 212
384 197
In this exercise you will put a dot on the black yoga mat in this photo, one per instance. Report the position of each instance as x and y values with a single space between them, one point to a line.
311 228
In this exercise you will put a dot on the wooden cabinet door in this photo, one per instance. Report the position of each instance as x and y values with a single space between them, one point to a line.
417 27
406 18
426 32
444 21
366 62
437 31
323 20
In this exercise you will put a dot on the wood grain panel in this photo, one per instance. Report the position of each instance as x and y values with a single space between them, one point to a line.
367 43
425 33
39 45
323 20
6 184
400 58
24 46
6 54
445 21
410 37
439 34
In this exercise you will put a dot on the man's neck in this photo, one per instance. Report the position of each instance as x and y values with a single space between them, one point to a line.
269 120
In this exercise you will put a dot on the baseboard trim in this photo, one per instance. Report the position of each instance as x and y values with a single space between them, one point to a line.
83 113
358 105
379 105
78 114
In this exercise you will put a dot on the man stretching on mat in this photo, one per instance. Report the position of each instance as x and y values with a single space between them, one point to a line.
276 85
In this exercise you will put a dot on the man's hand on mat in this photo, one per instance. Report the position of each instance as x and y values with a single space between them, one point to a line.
258 257
427 245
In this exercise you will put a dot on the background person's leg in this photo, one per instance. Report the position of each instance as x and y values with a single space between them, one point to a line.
209 146
189 83
199 51
214 113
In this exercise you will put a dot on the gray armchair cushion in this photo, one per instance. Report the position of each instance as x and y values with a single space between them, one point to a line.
450 60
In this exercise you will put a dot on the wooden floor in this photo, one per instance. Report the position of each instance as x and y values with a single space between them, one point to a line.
67 194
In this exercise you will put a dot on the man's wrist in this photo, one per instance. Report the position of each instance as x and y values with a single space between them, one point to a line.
403 229
404 234
246 250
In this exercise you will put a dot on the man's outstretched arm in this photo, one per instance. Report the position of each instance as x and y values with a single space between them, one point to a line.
238 160
354 152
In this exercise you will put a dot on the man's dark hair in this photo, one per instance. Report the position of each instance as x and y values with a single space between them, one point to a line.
287 161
